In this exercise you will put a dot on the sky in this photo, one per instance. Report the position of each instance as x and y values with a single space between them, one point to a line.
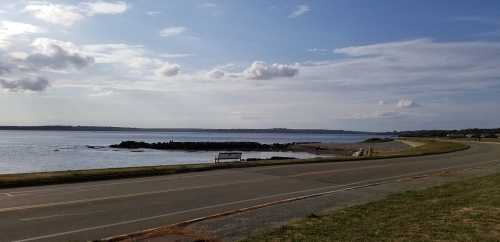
331 64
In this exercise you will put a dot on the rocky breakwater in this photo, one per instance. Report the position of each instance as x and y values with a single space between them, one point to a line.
205 146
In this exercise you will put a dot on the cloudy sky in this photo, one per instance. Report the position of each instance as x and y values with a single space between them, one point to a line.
336 64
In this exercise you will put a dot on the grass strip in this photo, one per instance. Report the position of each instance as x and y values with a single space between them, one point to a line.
462 211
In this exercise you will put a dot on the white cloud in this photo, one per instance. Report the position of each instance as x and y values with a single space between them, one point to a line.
26 84
5 68
18 55
319 50
216 74
299 11
176 55
102 94
67 15
9 30
24 71
168 70
172 31
421 63
57 55
261 71
101 7
406 103
153 13
207 5
133 56
210 8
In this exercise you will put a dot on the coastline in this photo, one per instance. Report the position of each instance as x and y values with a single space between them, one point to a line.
431 147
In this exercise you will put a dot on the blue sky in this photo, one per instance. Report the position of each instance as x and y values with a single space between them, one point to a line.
363 65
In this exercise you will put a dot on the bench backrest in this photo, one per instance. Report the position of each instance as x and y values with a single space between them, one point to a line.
229 155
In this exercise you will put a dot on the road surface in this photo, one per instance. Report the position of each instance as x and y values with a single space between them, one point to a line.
94 210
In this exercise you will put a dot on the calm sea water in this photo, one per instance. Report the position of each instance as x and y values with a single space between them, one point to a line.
33 151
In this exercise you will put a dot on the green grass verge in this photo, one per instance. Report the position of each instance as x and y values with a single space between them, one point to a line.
59 177
460 211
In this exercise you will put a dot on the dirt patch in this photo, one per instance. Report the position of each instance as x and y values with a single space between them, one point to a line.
339 149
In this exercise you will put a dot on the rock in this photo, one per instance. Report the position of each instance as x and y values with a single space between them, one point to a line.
204 146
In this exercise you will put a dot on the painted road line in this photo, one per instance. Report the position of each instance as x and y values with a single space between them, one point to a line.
231 212
346 187
56 215
63 187
241 210
339 170
95 187
44 205
184 189
162 215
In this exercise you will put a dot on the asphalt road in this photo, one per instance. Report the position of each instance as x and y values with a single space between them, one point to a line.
94 210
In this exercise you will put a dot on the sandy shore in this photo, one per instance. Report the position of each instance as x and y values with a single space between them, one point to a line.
341 149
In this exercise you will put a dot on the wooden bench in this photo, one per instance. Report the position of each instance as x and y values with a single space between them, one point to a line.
228 156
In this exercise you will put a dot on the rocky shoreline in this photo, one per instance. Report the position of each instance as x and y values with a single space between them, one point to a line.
205 146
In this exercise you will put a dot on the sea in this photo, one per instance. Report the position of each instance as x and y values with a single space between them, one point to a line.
37 151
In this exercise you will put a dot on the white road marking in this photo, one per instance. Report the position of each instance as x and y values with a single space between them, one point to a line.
83 187
43 205
54 216
165 215
340 170
347 187
142 180
94 187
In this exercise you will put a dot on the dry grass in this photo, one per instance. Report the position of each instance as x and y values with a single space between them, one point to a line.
430 146
461 211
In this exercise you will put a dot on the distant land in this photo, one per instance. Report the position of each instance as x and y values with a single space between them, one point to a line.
104 128
413 133
444 133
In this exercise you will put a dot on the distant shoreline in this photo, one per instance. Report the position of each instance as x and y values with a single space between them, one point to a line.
272 130
431 147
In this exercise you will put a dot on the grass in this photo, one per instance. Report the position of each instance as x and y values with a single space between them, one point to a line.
59 177
460 211
473 139
431 146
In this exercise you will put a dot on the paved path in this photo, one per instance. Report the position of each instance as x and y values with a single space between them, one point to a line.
87 211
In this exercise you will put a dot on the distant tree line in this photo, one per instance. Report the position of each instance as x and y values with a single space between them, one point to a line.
67 128
445 133
107 128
